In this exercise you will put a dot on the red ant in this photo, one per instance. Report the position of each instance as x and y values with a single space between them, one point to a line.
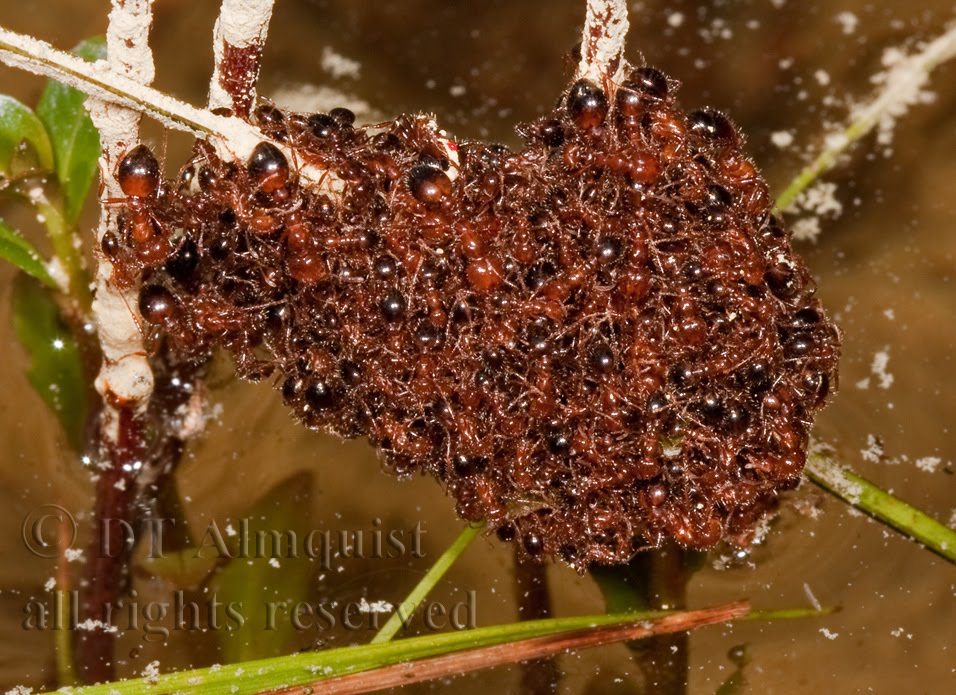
138 174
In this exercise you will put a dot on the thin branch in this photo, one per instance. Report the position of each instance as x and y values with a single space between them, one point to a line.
238 40
602 43
126 377
534 603
233 138
902 87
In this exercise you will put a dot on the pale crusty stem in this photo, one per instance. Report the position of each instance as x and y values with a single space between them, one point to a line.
125 378
602 43
238 40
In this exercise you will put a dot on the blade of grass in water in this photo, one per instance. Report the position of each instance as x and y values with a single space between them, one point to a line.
428 582
892 511
307 667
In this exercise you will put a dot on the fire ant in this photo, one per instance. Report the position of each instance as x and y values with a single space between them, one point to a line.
138 174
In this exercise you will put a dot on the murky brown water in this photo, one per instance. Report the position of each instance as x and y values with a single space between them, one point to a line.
885 267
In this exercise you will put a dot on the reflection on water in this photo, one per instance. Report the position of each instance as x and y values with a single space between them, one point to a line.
885 268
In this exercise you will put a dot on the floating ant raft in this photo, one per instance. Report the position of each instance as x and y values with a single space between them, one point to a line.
596 343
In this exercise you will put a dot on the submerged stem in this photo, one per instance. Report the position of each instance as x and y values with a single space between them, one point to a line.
404 611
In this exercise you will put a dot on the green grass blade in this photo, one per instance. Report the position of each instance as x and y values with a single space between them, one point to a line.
307 667
878 503
20 252
428 582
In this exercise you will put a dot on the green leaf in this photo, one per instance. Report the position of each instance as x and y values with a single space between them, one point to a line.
76 143
18 124
56 371
274 578
20 252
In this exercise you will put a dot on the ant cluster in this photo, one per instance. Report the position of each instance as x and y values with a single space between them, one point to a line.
596 343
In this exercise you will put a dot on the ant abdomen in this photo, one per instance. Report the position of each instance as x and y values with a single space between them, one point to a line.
138 173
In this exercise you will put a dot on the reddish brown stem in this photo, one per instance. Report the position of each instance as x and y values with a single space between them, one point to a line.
107 563
534 648
540 676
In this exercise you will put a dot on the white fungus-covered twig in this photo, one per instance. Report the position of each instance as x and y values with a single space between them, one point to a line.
125 377
602 43
238 40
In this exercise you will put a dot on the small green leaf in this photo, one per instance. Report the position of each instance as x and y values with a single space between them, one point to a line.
20 252
259 585
56 371
18 124
76 143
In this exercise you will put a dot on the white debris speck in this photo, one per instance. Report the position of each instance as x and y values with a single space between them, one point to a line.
874 449
782 139
273 562
863 384
676 19
816 203
822 77
821 200
806 229
339 66
231 530
73 554
829 635
50 584
374 607
928 464
19 690
878 368
952 519
890 315
120 484
457 90
151 672
847 21
90 625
